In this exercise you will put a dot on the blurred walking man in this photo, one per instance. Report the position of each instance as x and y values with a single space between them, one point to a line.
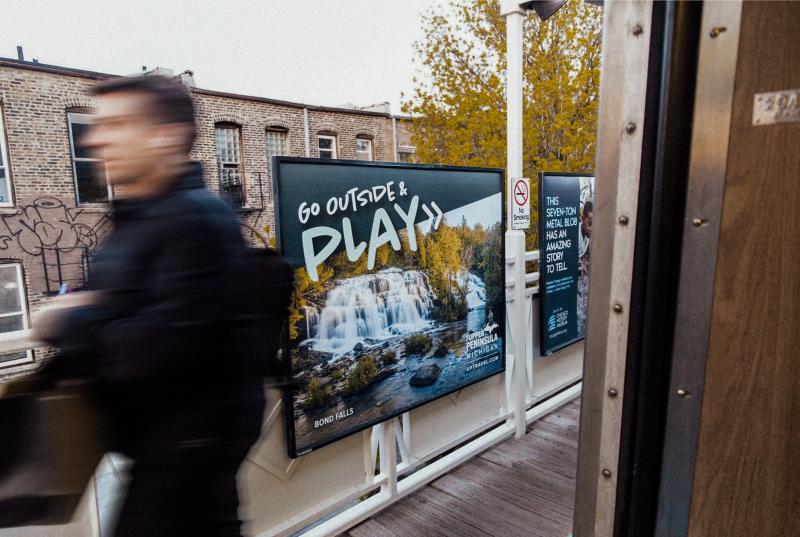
157 332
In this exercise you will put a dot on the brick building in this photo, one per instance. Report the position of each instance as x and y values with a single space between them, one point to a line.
53 201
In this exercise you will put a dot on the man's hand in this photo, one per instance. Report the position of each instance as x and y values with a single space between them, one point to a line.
49 324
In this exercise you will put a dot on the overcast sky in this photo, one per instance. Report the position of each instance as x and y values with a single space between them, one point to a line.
325 52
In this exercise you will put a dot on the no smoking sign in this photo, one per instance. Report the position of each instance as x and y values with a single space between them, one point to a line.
520 208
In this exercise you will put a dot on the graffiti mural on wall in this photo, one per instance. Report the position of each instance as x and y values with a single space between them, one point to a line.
50 230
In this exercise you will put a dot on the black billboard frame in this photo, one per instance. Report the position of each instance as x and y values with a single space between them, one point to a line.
540 230
287 397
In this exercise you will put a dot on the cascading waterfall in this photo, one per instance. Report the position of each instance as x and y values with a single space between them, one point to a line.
476 299
312 319
476 292
380 305
476 289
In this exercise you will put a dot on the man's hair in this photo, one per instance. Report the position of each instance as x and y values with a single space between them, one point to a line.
170 101
588 207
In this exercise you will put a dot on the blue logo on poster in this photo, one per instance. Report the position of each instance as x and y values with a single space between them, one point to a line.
551 323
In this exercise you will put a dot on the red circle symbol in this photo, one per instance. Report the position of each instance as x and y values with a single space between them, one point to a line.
521 192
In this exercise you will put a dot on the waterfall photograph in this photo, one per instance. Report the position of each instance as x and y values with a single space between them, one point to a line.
399 291
378 343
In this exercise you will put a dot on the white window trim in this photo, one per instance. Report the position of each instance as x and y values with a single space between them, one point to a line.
408 152
371 151
407 149
25 318
4 162
84 115
334 147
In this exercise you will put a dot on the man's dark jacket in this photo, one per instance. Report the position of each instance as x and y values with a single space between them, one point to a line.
167 346
163 341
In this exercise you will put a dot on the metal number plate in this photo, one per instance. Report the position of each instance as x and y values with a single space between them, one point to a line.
776 107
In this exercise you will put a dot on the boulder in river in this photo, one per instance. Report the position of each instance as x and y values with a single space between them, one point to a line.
441 351
425 375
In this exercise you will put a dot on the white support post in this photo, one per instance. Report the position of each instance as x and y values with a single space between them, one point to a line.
406 426
515 239
375 448
531 333
517 310
514 29
388 451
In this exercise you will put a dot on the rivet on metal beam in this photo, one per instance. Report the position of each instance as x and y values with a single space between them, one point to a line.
618 307
623 220
606 472
697 222
682 393
612 392
716 31
630 128
637 30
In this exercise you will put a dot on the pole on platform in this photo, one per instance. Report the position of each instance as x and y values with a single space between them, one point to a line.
514 27
515 239
388 454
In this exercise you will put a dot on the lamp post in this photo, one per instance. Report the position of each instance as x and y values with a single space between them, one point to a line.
514 13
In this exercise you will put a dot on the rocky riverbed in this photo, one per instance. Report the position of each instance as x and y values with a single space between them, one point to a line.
340 393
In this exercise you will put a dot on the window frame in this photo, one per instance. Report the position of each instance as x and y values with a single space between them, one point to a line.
285 150
228 125
276 129
109 189
334 146
5 161
26 320
407 154
371 148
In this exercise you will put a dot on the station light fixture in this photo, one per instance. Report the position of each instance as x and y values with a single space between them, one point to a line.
544 8
547 8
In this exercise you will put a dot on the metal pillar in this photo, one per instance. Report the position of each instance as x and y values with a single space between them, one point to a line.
515 239
388 453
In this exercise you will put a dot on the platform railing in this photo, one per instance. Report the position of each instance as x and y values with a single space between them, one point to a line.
334 488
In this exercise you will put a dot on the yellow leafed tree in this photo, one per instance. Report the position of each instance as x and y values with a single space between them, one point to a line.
458 101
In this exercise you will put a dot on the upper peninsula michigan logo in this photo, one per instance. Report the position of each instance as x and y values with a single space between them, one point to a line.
551 323
482 336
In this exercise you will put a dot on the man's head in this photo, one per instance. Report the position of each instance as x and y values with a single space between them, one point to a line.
586 219
144 126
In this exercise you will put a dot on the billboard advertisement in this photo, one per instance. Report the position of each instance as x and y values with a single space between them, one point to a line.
566 207
400 293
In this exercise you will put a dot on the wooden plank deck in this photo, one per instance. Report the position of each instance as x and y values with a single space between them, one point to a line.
522 487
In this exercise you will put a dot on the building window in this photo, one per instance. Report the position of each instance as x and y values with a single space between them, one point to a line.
277 142
91 186
407 153
327 146
6 199
363 149
229 163
13 313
